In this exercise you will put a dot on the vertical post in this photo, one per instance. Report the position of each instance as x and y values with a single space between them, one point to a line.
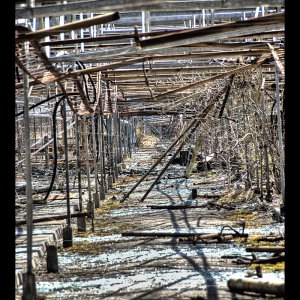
265 146
47 38
103 152
81 34
96 195
67 231
280 145
110 177
46 152
145 21
78 162
115 145
203 17
90 204
101 155
62 22
212 16
119 140
29 288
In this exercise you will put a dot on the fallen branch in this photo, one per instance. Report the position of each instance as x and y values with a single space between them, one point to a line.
256 285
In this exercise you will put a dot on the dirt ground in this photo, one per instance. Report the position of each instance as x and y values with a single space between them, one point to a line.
105 263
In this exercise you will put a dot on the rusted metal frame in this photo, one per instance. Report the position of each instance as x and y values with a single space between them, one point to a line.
264 141
220 31
28 170
260 61
109 101
39 34
279 130
188 128
183 234
105 38
226 96
98 56
22 67
149 113
277 61
113 65
83 7
203 114
147 81
41 54
157 71
82 94
137 6
78 161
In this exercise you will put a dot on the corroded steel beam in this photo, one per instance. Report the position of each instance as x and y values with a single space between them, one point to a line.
138 5
39 34
209 79
215 33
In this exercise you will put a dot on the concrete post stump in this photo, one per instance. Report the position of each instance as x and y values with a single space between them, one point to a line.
81 224
67 237
90 209
52 259
29 286
109 181
194 193
102 192
96 200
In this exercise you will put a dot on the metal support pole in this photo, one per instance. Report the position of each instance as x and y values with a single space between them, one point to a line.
78 162
128 131
29 288
101 158
103 153
280 145
90 204
110 178
67 234
119 143
96 195
115 146
265 146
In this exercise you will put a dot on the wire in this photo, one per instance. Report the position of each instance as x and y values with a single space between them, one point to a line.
40 103
54 148
82 66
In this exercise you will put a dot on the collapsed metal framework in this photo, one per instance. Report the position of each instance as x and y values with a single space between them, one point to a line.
216 66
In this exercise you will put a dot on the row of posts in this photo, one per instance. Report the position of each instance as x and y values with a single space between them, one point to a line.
101 145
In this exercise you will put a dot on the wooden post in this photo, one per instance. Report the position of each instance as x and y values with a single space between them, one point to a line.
52 260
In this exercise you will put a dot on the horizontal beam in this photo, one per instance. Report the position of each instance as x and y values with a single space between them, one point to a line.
215 33
213 78
81 7
39 34
98 55
138 5
107 37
